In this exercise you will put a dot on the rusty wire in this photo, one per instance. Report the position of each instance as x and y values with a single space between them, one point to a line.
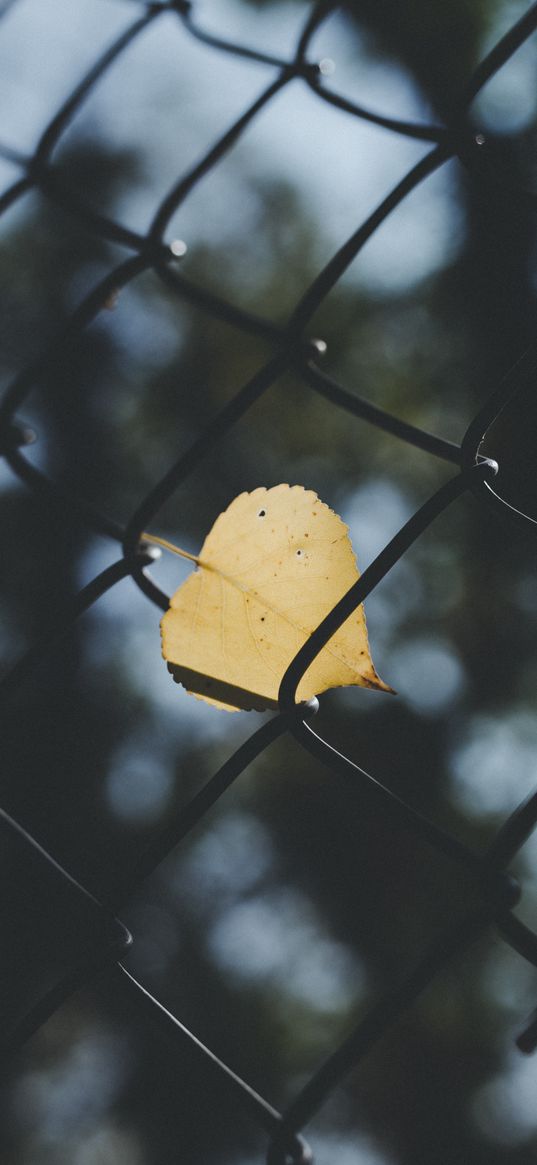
291 348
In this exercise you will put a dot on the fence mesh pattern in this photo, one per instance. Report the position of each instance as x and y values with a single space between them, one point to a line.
78 936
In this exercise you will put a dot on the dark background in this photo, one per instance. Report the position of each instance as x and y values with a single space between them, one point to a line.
275 925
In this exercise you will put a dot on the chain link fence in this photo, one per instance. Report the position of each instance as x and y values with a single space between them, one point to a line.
59 937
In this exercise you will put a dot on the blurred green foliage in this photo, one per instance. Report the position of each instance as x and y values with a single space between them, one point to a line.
287 913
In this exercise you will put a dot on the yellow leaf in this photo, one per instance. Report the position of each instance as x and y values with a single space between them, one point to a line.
273 565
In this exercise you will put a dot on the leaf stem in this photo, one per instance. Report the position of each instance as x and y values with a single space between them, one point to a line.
154 539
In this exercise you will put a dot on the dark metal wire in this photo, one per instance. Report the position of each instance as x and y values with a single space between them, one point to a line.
377 1021
290 349
51 136
500 53
189 815
374 574
264 1113
329 388
86 598
326 280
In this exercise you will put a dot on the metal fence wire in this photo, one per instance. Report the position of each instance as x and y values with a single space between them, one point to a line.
59 936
